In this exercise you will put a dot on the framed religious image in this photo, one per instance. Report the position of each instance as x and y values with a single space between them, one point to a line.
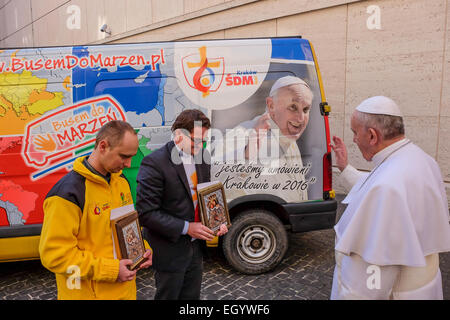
128 240
213 205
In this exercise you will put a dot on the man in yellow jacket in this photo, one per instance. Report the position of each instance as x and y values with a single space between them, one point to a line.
76 242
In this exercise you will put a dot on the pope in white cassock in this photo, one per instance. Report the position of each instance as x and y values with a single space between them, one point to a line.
396 223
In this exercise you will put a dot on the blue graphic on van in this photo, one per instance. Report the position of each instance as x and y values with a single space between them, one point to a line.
138 91
287 49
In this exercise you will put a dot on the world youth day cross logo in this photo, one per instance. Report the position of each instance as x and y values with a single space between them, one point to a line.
57 139
202 73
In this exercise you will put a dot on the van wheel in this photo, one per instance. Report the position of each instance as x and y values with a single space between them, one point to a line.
256 242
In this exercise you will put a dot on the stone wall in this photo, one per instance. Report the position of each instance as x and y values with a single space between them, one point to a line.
397 48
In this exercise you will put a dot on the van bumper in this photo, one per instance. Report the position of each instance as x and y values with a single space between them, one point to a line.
310 216
19 243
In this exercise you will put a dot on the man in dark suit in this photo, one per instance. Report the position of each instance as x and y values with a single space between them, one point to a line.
167 204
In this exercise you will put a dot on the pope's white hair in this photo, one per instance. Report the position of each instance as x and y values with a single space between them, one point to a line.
390 127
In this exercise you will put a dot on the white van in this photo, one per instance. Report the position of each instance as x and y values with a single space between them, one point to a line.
53 101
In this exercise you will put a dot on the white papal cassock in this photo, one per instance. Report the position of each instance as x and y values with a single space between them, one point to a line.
396 223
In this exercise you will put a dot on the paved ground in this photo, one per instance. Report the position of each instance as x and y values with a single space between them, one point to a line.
305 274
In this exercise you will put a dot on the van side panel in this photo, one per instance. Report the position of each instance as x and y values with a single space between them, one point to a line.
54 100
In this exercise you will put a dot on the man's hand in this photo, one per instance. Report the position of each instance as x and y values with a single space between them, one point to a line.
149 256
199 231
124 273
340 151
223 230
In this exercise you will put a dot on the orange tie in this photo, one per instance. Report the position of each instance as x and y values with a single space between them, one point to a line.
194 196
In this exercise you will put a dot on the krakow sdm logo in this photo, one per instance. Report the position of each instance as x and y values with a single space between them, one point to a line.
207 74
203 73
218 76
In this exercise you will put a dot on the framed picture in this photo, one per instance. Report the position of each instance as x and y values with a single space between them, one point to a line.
213 205
128 239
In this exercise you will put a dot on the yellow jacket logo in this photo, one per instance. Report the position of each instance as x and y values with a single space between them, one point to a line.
126 198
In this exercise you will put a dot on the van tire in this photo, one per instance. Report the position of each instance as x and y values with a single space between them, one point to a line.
256 242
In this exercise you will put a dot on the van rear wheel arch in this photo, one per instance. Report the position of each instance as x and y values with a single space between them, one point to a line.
256 242
259 202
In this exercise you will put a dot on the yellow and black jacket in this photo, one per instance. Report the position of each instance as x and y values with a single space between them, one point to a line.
76 242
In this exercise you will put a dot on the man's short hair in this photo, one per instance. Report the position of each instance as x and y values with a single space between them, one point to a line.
113 132
390 127
187 118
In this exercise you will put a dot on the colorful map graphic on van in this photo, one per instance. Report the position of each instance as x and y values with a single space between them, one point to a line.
35 96
138 87
17 203
68 130
54 100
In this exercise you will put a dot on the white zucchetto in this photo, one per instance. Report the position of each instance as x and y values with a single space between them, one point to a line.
286 81
380 105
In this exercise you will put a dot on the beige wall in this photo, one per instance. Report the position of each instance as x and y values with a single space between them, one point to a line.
408 59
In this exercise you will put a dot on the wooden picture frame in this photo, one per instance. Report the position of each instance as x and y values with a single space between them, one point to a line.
213 206
128 239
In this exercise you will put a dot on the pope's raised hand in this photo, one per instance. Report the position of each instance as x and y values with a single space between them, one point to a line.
340 151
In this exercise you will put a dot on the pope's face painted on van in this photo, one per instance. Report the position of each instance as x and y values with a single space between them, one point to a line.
289 109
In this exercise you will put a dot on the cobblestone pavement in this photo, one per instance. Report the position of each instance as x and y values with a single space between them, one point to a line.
305 273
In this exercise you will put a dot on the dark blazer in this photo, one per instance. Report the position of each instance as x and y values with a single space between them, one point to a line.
164 203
